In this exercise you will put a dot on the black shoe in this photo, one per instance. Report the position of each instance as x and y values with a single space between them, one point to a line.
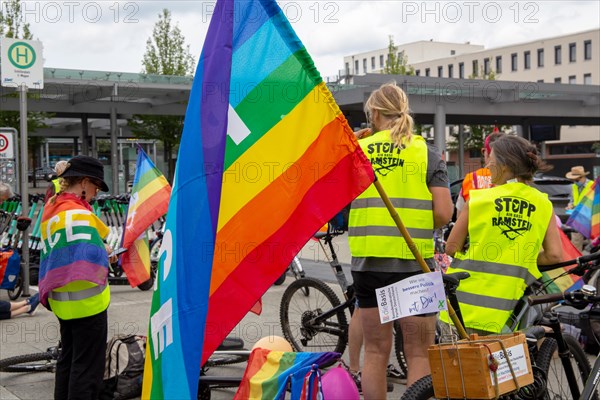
395 374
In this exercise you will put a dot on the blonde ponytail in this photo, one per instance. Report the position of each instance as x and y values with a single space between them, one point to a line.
392 104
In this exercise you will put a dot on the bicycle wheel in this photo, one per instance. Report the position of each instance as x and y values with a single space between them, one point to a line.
15 293
297 310
549 361
36 362
298 272
420 390
225 359
399 348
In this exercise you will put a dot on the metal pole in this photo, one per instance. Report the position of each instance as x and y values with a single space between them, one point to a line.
24 186
114 153
439 128
413 248
461 151
84 135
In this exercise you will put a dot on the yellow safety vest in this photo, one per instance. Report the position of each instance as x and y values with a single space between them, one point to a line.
577 195
403 174
507 225
79 299
56 184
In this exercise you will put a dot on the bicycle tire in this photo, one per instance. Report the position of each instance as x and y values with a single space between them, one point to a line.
548 360
298 273
23 363
296 310
144 286
15 293
280 280
420 390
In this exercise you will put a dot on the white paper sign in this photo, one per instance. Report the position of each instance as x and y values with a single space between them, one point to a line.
420 294
516 354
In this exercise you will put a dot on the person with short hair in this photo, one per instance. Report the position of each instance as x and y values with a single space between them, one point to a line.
479 179
5 192
581 185
511 229
416 180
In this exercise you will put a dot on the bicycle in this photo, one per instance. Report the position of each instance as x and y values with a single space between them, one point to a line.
547 344
35 362
311 315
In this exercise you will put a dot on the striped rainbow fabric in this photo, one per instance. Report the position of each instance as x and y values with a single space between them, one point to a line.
557 283
149 201
266 158
586 216
268 373
71 245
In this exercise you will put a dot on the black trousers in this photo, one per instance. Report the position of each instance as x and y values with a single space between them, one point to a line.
80 366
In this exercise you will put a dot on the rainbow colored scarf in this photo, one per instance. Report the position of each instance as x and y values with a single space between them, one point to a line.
72 247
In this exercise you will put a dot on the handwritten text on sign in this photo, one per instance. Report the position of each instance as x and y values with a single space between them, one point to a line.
420 294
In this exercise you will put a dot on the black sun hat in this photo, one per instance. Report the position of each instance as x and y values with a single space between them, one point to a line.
88 167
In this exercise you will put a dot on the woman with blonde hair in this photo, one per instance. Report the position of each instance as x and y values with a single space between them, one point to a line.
415 178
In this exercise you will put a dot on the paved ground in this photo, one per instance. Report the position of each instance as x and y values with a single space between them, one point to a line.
128 313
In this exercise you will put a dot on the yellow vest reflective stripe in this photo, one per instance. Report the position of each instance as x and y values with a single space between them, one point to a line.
79 299
578 196
56 184
507 225
403 175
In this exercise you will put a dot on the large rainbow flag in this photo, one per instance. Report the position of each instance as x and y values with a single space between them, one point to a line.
554 280
149 201
268 373
266 158
586 216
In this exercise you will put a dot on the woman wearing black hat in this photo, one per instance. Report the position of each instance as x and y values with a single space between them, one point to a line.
73 278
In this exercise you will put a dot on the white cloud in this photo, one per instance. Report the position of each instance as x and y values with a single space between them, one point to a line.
108 35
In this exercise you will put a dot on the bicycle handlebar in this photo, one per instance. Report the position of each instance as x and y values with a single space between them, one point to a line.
579 261
576 295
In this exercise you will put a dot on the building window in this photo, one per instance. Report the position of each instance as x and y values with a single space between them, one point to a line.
347 69
418 72
587 50
513 62
572 52
372 63
540 81
452 52
356 67
364 65
475 67
486 66
557 55
587 79
527 59
427 72
557 80
572 79
440 72
450 71
461 70
540 63
499 64
381 61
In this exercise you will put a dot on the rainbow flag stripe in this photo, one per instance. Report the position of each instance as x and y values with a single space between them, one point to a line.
149 201
557 283
72 246
268 372
266 158
586 216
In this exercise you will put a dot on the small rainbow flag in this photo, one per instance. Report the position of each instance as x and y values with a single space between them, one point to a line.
268 373
586 216
149 201
72 246
557 283
266 158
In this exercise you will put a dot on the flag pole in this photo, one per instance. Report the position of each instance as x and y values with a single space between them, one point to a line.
413 248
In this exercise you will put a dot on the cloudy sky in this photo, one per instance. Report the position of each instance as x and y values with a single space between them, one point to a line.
111 36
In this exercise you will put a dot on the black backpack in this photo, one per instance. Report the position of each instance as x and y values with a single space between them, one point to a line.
124 367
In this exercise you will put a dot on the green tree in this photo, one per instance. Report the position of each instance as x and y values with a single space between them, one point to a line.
166 54
396 64
12 26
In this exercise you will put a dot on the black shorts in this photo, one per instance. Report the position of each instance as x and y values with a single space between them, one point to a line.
366 283
4 309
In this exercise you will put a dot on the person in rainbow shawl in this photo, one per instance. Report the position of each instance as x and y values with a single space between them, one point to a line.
73 278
